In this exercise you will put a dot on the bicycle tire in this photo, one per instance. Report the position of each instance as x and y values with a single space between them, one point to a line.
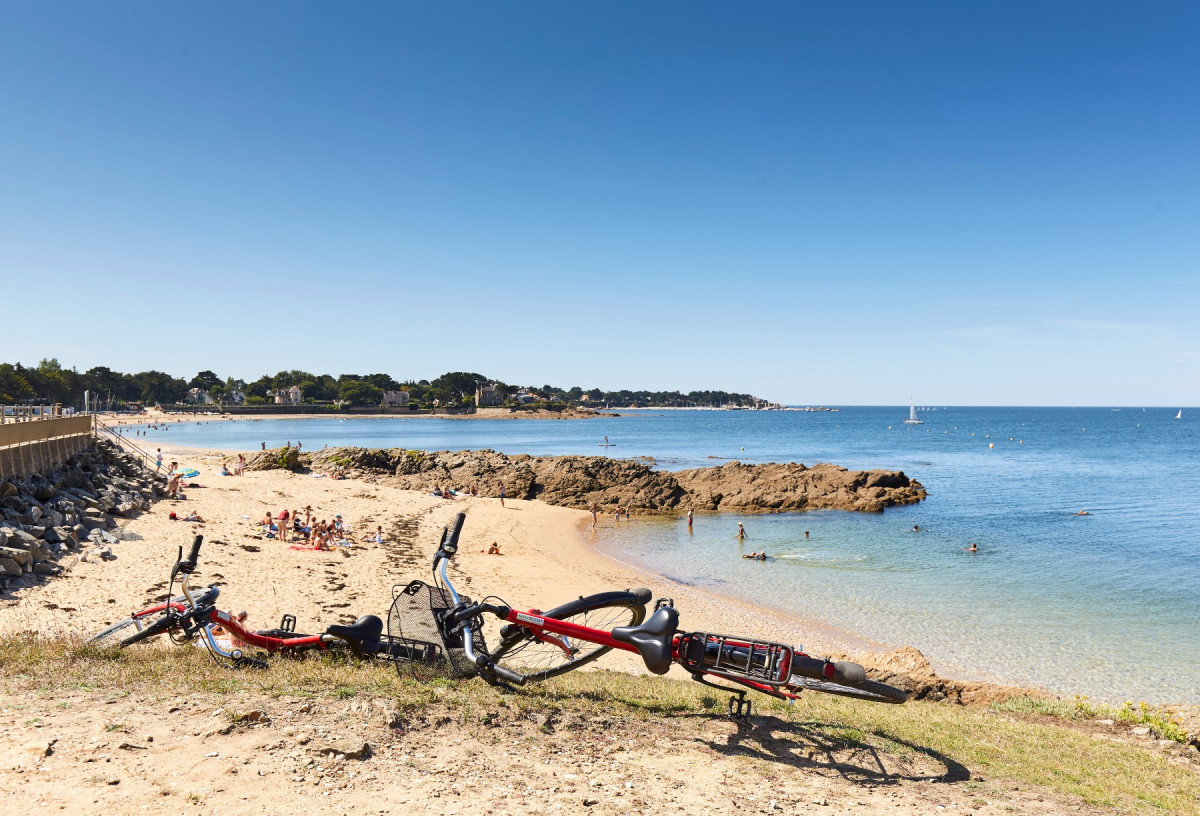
160 624
538 660
867 690
108 637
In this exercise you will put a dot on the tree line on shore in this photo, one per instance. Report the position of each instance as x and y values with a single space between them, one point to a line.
49 382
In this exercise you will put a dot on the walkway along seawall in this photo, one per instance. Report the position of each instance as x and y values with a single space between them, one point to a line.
40 445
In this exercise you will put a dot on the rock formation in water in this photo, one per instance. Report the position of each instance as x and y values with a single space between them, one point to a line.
578 481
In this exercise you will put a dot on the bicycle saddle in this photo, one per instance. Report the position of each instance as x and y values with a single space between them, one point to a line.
362 635
652 638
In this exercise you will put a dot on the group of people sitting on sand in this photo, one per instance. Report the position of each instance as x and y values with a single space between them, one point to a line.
301 530
451 493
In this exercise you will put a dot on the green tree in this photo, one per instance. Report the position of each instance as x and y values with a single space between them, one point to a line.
361 392
383 381
259 388
14 386
159 387
456 385
204 381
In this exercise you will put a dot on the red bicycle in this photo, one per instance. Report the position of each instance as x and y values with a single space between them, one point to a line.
435 623
193 617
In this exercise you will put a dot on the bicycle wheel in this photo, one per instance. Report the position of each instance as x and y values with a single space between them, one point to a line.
113 634
159 625
539 660
868 690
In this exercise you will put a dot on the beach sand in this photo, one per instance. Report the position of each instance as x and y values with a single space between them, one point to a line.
548 558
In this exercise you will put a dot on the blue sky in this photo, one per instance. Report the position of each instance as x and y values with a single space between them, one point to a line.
817 203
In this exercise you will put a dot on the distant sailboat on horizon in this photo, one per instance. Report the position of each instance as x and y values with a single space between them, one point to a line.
912 415
1180 414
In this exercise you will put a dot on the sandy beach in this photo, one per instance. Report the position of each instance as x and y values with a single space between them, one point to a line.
548 558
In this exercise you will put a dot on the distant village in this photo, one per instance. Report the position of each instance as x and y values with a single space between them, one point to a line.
101 388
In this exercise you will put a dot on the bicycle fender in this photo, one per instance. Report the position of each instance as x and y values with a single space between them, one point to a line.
635 597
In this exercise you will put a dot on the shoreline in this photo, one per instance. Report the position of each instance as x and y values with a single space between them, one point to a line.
551 555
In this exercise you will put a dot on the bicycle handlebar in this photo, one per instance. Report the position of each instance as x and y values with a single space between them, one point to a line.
194 555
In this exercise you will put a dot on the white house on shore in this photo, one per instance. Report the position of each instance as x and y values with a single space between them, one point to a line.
198 396
395 399
288 396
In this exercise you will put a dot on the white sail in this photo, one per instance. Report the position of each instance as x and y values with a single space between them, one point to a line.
1180 414
912 415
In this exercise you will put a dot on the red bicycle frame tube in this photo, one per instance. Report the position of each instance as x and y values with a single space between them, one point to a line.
271 644
539 625
543 628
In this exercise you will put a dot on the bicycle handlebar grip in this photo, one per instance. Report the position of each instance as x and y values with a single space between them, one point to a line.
194 554
843 673
450 539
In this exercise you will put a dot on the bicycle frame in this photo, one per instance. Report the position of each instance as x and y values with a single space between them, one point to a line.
214 617
779 671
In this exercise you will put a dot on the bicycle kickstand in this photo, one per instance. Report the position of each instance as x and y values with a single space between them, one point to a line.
739 706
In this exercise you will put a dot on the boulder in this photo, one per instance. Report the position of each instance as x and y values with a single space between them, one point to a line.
17 556
10 567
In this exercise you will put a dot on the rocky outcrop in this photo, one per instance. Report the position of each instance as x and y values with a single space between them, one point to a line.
579 481
773 488
47 523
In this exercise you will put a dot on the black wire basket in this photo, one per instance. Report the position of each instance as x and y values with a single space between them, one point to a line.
416 635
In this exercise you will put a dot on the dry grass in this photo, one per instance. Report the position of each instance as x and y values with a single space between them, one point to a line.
970 744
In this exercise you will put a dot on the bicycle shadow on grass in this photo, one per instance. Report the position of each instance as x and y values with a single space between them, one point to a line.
818 746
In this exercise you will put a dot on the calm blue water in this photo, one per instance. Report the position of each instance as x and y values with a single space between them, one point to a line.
1104 604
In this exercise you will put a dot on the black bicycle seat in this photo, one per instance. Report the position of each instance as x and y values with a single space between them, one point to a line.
362 635
652 638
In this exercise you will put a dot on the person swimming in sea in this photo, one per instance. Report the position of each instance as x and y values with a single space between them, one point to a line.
973 548
1083 513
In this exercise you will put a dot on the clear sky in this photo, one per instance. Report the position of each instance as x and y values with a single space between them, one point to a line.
828 203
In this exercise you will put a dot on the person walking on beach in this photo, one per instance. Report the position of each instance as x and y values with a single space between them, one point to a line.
501 495
158 461
595 511
741 533
283 525
264 445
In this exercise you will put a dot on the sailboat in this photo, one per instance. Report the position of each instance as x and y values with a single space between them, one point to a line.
1180 414
912 415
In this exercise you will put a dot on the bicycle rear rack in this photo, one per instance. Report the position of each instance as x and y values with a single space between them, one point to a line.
736 658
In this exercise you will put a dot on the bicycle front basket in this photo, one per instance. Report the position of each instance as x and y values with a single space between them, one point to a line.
415 620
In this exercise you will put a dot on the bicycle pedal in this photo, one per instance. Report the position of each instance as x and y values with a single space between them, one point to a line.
661 602
288 624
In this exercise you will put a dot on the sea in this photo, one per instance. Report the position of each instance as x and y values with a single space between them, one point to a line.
1105 604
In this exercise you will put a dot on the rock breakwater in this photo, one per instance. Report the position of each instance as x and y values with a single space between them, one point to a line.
580 481
49 523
